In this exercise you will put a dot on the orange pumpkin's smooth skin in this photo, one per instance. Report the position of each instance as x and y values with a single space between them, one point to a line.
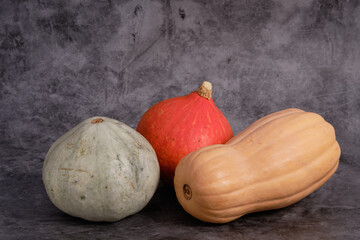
275 162
177 126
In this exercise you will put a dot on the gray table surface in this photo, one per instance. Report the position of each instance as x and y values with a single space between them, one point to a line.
64 61
332 212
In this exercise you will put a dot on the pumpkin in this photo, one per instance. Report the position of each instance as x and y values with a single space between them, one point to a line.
180 125
101 170
277 161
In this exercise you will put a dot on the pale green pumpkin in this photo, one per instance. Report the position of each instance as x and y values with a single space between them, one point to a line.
101 170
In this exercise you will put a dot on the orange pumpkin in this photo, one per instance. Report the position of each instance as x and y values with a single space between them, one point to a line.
180 125
277 161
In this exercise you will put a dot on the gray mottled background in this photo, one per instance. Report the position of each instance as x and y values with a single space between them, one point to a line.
64 61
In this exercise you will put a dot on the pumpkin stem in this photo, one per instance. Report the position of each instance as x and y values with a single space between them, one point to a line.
97 120
205 90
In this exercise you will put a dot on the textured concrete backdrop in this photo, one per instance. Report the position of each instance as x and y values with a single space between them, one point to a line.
64 61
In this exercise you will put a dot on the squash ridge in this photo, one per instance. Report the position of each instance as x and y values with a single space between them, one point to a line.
269 120
330 147
194 171
253 205
264 146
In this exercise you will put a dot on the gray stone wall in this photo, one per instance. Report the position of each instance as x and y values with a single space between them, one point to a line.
64 61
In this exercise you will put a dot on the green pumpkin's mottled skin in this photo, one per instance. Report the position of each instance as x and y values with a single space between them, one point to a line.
101 171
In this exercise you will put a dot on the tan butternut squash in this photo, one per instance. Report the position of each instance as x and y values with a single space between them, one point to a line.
277 161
